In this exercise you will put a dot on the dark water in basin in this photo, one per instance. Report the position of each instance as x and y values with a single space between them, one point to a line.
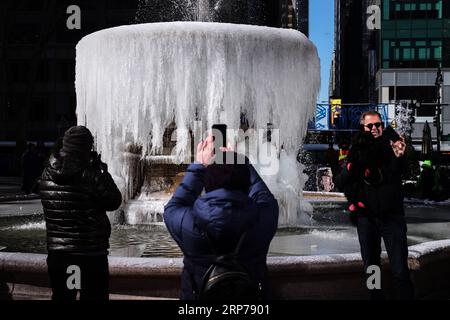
328 233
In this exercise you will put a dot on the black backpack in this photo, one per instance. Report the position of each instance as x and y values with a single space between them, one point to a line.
228 279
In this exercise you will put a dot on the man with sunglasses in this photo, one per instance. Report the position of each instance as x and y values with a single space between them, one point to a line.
373 172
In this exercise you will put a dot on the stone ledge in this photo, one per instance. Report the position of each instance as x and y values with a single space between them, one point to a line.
300 277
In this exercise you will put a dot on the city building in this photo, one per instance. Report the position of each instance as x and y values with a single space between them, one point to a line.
415 42
295 15
302 9
355 58
396 61
37 63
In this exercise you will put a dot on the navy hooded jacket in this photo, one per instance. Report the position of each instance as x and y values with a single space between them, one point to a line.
225 215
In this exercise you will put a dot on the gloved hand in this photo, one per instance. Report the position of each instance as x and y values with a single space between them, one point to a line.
355 211
96 160
353 208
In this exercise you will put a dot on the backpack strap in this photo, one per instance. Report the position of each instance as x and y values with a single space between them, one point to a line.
195 290
236 249
239 244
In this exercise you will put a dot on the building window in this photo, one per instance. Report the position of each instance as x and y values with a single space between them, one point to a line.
413 9
424 94
422 53
446 10
446 55
407 54
412 54
426 111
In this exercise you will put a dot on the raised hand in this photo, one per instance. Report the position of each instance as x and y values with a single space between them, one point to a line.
399 147
205 151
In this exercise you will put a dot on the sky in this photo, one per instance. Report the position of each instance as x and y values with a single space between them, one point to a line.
321 33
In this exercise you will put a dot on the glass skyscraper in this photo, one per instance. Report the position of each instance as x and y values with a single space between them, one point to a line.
414 43
415 34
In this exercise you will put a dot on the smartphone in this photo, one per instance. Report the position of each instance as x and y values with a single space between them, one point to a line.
391 134
219 132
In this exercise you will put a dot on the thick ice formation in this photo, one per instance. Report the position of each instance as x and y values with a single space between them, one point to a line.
133 81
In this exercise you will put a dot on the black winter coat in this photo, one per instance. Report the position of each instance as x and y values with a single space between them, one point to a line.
383 194
75 195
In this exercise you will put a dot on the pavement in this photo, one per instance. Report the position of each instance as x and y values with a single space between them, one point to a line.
14 202
10 190
20 208
10 186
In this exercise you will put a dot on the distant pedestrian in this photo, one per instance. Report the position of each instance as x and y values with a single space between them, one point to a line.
426 181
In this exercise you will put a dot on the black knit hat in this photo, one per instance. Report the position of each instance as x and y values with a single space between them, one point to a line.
234 176
77 139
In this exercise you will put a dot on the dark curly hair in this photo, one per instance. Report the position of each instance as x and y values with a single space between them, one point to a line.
231 176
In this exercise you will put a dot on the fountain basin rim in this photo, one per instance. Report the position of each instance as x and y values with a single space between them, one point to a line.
192 27
24 276
167 267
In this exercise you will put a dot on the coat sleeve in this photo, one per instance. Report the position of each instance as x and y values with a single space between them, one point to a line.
260 193
343 179
183 199
108 195
258 189
267 205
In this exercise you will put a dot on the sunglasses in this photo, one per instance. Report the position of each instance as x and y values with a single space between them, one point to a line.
370 125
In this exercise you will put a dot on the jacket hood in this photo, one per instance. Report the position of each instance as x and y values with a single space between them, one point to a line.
225 214
62 169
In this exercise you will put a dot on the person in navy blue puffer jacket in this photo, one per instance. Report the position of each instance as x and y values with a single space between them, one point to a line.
236 200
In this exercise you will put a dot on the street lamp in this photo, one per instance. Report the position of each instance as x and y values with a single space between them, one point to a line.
438 83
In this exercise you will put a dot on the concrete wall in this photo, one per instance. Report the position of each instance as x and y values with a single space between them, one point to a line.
24 276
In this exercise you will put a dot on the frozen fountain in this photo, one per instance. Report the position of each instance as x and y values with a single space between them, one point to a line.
148 92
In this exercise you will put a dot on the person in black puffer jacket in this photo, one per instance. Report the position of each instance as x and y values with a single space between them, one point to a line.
76 191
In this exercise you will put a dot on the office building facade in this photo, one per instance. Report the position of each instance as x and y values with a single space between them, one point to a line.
396 61
355 56
294 14
415 42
